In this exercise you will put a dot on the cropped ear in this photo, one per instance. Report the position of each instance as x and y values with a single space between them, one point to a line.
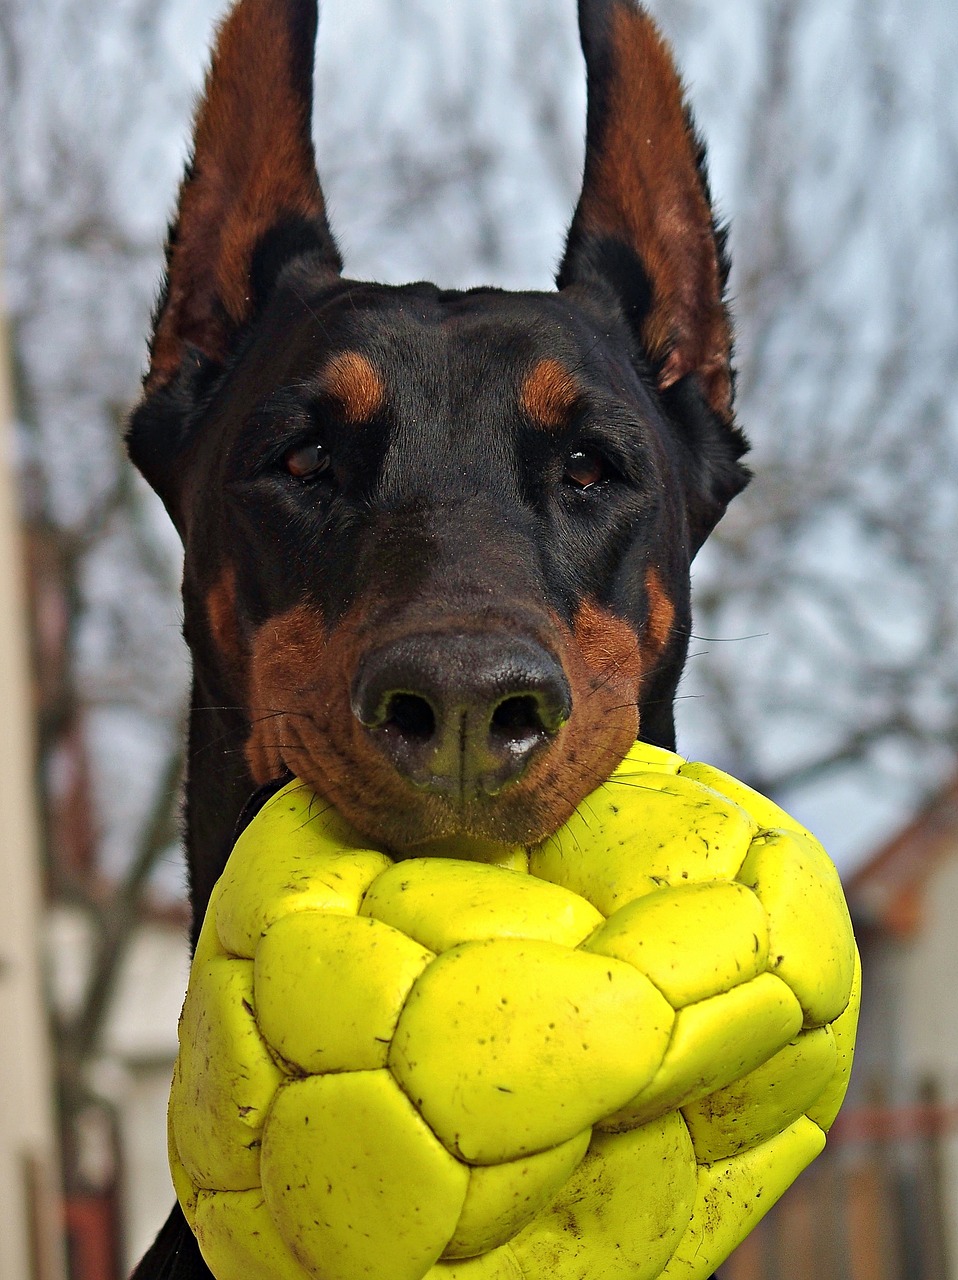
251 194
644 225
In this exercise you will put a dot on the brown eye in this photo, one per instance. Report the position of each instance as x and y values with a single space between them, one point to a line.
306 461
583 469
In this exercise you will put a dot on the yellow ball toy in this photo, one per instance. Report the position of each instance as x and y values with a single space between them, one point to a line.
603 1059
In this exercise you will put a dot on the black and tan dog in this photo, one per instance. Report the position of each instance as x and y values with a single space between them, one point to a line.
437 543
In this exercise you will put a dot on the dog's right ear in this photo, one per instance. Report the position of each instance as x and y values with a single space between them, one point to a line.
250 202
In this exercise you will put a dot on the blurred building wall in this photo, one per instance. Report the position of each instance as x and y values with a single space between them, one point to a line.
929 1024
905 902
30 1227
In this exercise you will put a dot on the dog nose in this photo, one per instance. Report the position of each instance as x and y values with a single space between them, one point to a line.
461 715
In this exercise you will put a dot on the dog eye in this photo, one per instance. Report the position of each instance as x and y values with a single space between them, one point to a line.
583 469
306 461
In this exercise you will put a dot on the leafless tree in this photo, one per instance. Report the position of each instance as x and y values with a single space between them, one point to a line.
838 569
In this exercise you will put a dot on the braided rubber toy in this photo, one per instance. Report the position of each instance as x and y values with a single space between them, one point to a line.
603 1059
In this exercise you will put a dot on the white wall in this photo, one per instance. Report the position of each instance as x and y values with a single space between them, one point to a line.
140 1045
28 1191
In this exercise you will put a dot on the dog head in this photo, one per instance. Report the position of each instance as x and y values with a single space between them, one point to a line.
437 544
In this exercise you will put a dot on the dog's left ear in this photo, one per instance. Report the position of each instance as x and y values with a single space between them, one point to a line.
644 228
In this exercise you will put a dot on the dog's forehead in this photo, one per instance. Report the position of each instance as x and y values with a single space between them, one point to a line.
422 339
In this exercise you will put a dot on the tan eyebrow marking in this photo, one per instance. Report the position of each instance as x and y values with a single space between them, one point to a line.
549 393
351 378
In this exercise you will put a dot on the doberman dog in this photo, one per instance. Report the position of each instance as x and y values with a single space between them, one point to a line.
437 543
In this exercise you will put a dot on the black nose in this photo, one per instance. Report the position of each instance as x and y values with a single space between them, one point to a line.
461 715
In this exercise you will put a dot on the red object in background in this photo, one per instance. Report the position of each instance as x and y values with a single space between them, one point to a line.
887 1123
93 1243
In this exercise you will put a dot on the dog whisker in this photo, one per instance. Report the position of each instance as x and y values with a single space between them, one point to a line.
758 635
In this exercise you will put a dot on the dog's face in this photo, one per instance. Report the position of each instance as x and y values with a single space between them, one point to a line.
438 543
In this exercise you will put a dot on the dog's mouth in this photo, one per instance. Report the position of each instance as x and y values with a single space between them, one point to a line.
412 790
461 845
465 740
424 807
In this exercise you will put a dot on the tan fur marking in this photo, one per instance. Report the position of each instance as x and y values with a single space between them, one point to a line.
356 384
602 660
224 628
608 644
549 393
644 185
661 611
286 664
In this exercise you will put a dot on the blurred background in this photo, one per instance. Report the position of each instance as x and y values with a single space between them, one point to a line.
825 665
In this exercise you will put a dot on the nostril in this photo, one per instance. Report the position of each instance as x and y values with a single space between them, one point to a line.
461 714
411 716
520 725
518 717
